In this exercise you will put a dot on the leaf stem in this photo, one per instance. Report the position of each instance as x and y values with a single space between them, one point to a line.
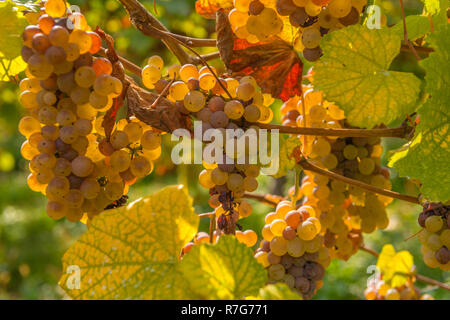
405 33
261 198
418 276
310 167
399 132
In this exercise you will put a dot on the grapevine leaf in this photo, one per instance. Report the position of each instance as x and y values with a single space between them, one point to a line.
286 157
395 267
226 270
275 65
354 72
427 157
417 26
12 24
278 291
432 6
132 252
208 8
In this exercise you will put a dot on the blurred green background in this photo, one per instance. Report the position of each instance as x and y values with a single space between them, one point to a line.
31 244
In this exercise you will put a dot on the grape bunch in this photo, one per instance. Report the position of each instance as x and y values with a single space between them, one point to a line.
222 105
435 235
309 20
378 289
66 93
292 249
345 211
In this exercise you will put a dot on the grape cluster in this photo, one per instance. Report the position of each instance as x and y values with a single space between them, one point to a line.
260 20
378 289
435 236
344 211
66 92
221 104
293 248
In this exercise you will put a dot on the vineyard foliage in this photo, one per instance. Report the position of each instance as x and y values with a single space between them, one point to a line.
150 248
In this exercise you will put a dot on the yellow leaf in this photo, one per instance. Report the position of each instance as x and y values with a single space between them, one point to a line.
226 270
132 252
278 291
396 267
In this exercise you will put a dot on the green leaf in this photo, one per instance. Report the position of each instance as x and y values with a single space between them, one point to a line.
417 26
428 154
132 252
226 270
12 24
432 6
395 267
354 73
285 158
278 291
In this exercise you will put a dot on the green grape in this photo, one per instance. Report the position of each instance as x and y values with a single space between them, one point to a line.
140 166
120 160
279 245
82 166
252 113
194 101
65 117
114 190
28 125
80 95
296 247
321 147
276 272
307 230
83 126
150 75
156 61
234 109
188 71
104 85
150 140
55 8
219 119
134 131
58 36
219 177
205 179
330 161
366 166
311 38
445 237
350 152
56 209
207 81
56 55
90 189
85 76
58 187
250 184
68 134
237 18
178 90
235 182
434 223
119 139
47 115
82 39
277 226
245 91
339 8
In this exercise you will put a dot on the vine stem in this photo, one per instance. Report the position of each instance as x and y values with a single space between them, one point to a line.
405 33
310 167
399 132
260 198
130 66
418 276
